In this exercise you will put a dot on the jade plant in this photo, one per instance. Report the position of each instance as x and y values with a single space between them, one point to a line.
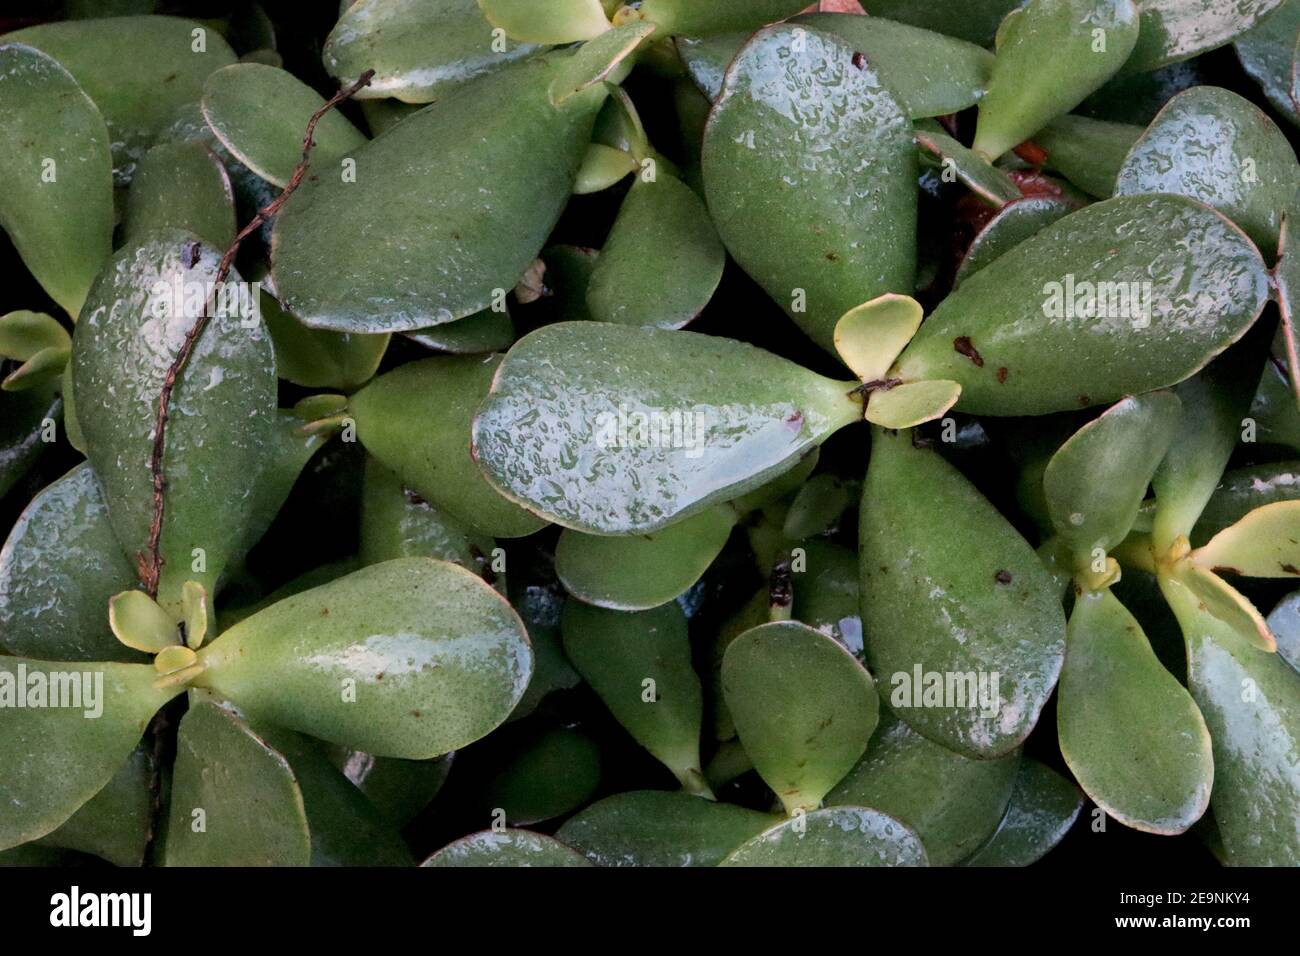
601 433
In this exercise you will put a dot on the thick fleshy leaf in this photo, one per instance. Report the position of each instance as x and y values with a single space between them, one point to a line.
911 403
77 725
1210 144
806 143
871 336
408 658
638 572
692 18
1267 53
1284 623
835 836
1013 224
1242 490
1286 276
1214 402
58 570
138 622
1088 152
235 801
447 211
614 430
803 706
959 616
952 802
931 74
137 94
222 411
115 823
826 593
1226 603
487 331
973 20
399 789
602 167
259 114
420 50
416 421
1096 482
550 776
346 829
1249 699
181 185
397 523
1174 30
319 358
547 21
1176 284
663 229
1051 54
988 182
1263 544
640 665
506 848
1044 805
58 201
1130 733
655 828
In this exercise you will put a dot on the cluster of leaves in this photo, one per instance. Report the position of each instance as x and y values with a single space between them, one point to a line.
461 478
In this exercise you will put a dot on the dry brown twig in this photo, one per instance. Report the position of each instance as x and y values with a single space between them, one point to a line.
150 563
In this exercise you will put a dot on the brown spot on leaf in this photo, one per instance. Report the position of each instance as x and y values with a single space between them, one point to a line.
962 345
1225 569
1002 375
860 60
1003 577
1290 569
1084 401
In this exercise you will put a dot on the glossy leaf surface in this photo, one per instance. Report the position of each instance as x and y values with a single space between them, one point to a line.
181 185
1044 805
507 848
835 836
611 430
1174 30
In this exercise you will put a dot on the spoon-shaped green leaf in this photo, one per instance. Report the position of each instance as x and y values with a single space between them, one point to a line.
399 789
835 836
1130 733
640 665
115 823
655 828
408 658
397 523
1225 602
416 421
440 222
58 569
420 50
138 622
1174 30
1249 699
952 802
58 202
602 167
662 230
235 800
1267 53
181 185
1096 482
1044 805
806 143
346 828
54 758
1051 54
137 94
506 848
1210 144
222 411
972 20
259 114
550 776
1088 152
1013 224
951 592
1174 281
803 706
547 21
318 358
988 182
613 430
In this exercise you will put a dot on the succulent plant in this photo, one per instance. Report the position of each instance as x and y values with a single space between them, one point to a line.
577 432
